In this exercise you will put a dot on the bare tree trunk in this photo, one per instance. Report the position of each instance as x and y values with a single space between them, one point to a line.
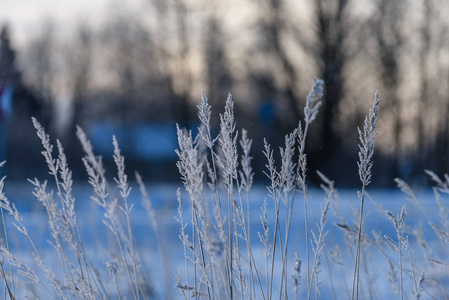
275 28
185 77
390 41
331 33
423 141
218 79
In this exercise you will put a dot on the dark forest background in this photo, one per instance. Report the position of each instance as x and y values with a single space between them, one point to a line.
141 71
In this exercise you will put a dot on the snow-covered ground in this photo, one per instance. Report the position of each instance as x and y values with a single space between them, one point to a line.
100 245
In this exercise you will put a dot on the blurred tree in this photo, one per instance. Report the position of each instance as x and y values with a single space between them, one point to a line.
9 76
78 58
182 73
8 70
22 100
332 30
18 105
41 69
388 28
121 39
218 77
132 63
423 138
173 44
325 42
439 150
275 28
81 64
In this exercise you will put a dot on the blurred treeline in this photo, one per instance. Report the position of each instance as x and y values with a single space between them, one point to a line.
148 65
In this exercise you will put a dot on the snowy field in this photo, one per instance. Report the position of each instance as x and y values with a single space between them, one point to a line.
162 269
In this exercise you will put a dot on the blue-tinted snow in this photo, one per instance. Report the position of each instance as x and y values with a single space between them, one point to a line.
99 243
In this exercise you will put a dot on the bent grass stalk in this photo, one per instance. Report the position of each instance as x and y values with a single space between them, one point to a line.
398 223
246 177
204 114
11 274
364 164
313 104
97 180
122 184
66 227
227 141
272 193
190 167
287 188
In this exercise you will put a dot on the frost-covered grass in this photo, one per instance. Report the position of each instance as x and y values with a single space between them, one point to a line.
221 236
